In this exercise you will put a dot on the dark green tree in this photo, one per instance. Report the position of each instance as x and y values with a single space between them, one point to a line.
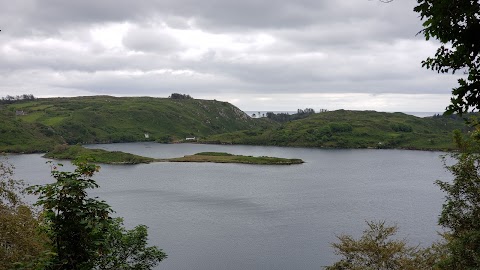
179 96
456 24
75 223
82 233
461 210
127 249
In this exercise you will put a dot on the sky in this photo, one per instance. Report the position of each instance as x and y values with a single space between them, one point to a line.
275 55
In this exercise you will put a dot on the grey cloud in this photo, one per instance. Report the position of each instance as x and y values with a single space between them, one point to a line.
220 15
150 41
346 46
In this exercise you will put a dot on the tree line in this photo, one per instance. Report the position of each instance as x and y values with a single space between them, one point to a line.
285 117
10 99
179 96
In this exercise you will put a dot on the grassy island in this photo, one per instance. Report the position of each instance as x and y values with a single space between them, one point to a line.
96 155
219 157
117 157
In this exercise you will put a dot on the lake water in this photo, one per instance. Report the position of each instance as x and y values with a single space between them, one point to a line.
240 217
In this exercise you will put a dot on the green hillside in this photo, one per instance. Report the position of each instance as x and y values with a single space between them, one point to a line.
353 129
19 136
38 125
104 119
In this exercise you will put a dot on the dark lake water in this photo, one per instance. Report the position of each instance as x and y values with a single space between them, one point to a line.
232 216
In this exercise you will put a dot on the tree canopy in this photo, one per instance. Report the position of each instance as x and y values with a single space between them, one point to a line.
461 210
456 24
82 233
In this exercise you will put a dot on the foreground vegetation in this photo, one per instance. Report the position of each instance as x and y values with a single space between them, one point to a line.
219 157
71 230
453 24
378 248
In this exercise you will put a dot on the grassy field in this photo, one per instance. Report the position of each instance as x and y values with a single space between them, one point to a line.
353 129
95 155
18 136
219 157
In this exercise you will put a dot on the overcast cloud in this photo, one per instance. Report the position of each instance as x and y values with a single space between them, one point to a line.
259 55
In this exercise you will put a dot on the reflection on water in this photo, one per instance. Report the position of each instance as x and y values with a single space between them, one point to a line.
234 216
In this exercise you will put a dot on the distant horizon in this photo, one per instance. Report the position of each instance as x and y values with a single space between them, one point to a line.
276 110
418 114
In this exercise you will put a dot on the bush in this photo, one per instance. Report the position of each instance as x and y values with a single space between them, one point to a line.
341 127
376 249
400 127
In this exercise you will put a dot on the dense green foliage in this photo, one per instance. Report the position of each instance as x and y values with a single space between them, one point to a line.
461 210
76 223
377 249
353 129
456 24
220 157
104 119
82 234
75 152
127 249
20 240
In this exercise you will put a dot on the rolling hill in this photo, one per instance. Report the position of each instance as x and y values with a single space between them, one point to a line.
354 129
41 124
105 119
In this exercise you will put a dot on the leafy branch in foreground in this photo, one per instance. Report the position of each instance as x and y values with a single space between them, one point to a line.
127 249
82 233
456 25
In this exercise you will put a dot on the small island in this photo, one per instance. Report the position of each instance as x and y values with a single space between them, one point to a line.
75 152
220 157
